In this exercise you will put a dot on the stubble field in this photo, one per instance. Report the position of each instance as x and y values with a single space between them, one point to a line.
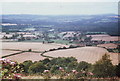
8 48
35 46
88 54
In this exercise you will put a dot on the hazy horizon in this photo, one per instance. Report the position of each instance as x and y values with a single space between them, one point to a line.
63 14
59 8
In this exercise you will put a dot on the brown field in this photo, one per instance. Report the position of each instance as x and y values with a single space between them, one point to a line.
26 56
35 46
105 37
8 52
88 54
108 45
25 46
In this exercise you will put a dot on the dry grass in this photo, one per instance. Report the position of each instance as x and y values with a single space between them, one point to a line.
38 77
32 77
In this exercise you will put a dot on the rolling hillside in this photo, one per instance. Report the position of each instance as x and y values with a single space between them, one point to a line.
88 54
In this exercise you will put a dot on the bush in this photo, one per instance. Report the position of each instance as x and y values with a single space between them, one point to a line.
83 66
26 65
10 69
72 66
64 47
45 61
73 46
52 49
38 67
29 50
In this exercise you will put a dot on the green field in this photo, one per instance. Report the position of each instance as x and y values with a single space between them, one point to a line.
34 40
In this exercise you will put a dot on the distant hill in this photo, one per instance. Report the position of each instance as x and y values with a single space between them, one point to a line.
90 23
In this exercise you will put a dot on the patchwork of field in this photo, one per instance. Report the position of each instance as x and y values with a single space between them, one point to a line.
35 46
8 48
26 56
88 54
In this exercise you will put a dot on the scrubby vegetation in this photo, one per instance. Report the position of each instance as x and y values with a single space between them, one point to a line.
62 68
10 69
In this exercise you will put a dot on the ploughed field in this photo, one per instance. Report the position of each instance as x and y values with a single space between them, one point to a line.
88 54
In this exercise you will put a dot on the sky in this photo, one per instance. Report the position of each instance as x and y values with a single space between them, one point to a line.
59 0
60 8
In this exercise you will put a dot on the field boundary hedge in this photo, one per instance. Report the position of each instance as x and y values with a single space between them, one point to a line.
19 52
57 49
13 54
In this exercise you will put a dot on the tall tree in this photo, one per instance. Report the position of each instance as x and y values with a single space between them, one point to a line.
104 67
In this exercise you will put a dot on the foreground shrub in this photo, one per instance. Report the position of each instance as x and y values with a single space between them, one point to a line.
26 65
66 68
37 67
83 66
10 69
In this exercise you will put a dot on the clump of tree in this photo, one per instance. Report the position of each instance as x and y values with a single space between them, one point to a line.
26 65
83 66
37 67
52 65
73 46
